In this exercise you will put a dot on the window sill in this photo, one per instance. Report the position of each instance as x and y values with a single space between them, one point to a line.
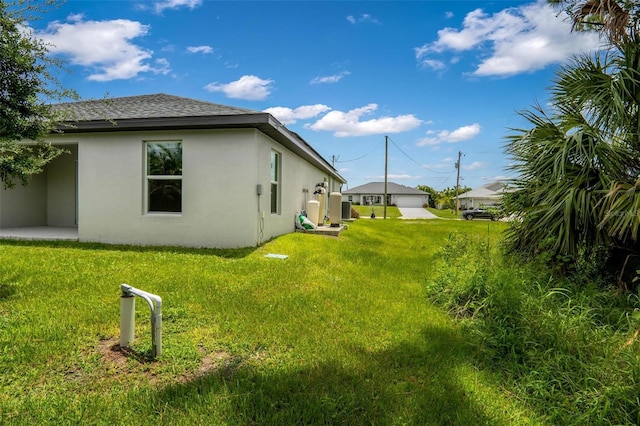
163 214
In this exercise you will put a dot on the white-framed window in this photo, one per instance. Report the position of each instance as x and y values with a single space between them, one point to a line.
350 197
371 199
163 182
276 160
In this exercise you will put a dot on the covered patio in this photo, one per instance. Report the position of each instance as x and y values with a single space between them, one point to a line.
44 233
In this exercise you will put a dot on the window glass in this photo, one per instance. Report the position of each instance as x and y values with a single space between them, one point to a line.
164 158
275 182
165 196
164 177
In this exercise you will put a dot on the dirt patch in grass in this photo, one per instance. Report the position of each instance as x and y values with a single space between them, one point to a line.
113 354
115 361
218 362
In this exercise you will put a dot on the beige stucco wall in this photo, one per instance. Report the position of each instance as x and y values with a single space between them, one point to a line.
47 200
24 205
221 169
61 188
298 181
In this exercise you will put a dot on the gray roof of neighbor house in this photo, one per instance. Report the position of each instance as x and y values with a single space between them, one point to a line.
378 188
491 190
481 192
168 112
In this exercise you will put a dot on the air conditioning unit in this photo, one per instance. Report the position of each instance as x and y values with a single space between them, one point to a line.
346 210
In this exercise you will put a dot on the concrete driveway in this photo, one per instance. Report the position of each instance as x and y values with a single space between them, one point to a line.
416 213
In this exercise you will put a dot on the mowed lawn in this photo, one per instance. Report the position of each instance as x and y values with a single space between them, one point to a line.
340 332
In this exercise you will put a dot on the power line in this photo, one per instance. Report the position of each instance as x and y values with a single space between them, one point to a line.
419 164
355 159
334 158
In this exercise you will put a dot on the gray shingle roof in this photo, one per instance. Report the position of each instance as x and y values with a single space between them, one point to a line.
481 192
378 188
144 106
168 112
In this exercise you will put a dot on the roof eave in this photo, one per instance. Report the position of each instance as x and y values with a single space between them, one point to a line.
264 122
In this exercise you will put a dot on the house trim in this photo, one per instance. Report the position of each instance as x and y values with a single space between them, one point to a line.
263 122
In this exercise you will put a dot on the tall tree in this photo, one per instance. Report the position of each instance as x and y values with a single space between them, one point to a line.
587 143
27 88
616 20
433 194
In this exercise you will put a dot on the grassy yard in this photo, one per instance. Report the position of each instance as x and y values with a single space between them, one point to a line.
341 332
445 213
365 211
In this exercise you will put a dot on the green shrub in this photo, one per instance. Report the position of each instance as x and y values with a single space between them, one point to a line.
460 284
562 346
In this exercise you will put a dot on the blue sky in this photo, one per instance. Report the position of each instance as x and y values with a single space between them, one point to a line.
437 77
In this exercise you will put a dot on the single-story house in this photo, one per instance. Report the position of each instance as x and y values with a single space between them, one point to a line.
487 195
373 194
167 170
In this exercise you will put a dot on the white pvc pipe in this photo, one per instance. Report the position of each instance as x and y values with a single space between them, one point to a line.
155 304
127 320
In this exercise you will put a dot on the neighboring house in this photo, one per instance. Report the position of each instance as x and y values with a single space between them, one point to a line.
398 195
487 195
166 170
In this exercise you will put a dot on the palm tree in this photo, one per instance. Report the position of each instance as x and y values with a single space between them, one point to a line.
578 164
617 20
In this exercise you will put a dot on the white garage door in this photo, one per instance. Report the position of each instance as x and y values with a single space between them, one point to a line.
409 201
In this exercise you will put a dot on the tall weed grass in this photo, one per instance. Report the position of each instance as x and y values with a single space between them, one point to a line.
564 347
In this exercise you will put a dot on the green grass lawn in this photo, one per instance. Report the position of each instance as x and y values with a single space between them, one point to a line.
341 332
445 213
365 211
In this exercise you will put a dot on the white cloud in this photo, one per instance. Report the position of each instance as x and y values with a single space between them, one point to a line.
495 178
434 64
248 87
364 18
331 78
104 46
445 163
162 66
200 49
289 116
403 176
460 134
348 123
475 165
161 6
519 39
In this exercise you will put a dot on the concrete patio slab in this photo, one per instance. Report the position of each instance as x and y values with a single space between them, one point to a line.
44 233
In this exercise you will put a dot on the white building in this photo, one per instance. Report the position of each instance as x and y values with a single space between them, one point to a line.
398 195
486 195
166 170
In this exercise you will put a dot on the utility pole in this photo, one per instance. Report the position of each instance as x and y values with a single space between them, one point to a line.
334 158
458 182
386 156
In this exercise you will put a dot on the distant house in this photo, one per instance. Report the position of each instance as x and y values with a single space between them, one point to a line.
166 170
398 195
486 195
